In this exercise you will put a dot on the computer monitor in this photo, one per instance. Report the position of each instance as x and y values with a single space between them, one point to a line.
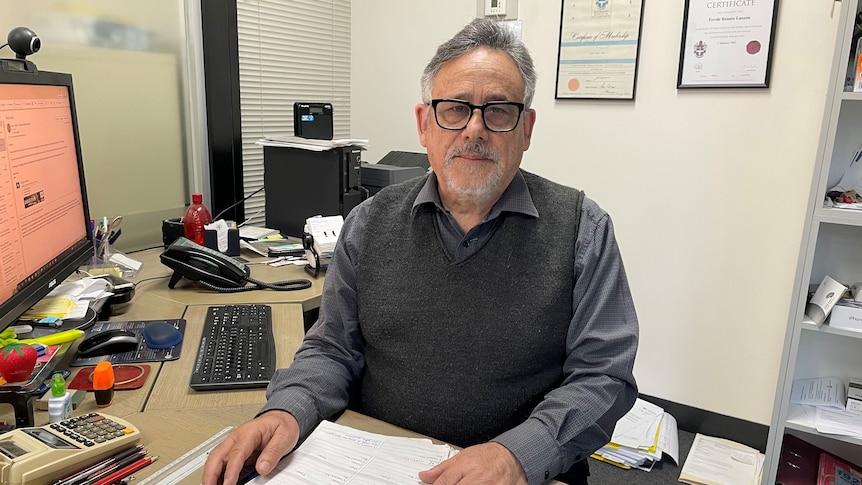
45 231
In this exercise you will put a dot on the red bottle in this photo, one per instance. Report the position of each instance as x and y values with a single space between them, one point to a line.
197 215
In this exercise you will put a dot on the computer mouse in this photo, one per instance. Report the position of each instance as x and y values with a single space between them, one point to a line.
113 341
161 335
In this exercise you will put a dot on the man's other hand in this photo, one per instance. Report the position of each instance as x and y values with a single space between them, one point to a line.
488 463
274 434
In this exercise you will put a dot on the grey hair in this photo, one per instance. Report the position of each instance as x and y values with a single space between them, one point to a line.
482 32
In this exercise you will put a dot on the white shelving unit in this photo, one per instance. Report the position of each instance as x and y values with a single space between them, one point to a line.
831 245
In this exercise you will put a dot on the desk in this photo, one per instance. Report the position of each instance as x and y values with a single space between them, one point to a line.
172 417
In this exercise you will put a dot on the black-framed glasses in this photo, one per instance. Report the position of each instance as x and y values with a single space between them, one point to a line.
498 116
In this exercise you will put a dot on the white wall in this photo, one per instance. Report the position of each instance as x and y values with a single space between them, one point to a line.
707 188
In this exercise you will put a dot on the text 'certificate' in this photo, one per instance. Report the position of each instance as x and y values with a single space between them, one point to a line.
598 48
726 43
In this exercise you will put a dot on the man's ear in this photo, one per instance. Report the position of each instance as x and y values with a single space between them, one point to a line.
422 111
529 122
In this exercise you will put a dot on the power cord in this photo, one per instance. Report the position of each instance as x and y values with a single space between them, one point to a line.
236 204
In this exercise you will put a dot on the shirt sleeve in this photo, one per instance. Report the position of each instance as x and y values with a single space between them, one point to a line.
578 417
330 360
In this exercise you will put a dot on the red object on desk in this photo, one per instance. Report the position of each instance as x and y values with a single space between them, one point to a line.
125 472
126 376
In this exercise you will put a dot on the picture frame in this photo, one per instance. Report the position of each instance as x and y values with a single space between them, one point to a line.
598 50
727 44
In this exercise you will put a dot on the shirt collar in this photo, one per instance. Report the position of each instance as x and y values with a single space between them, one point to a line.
516 197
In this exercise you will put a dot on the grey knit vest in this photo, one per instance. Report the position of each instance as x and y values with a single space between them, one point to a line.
462 352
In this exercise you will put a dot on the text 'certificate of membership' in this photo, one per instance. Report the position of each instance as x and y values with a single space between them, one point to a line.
598 48
726 43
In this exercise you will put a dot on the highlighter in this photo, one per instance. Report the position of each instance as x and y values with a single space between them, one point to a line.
103 384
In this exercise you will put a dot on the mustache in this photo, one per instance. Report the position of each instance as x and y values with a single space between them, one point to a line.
475 147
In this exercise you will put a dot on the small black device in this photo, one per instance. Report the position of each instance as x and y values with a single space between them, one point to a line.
113 341
24 42
312 120
198 263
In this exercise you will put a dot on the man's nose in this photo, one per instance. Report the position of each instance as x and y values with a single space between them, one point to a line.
476 126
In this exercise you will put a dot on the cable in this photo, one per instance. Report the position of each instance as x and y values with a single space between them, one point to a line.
136 283
236 204
288 285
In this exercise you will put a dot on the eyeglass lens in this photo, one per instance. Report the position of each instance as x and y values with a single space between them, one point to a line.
454 115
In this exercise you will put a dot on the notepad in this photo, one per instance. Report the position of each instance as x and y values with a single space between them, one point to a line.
255 232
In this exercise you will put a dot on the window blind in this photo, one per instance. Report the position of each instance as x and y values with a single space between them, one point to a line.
289 51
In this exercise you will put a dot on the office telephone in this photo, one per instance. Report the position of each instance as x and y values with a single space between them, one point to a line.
215 270
200 263
41 455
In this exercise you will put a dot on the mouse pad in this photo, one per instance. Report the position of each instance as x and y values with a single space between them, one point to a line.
142 353
131 376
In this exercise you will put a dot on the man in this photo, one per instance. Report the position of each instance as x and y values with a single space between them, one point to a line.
481 305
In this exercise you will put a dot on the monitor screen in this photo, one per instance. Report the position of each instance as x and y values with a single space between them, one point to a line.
45 232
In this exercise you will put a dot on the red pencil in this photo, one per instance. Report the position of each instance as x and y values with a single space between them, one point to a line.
120 474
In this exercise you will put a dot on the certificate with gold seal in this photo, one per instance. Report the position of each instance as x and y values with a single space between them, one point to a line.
598 51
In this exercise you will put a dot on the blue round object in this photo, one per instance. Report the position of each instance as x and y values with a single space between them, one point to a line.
161 335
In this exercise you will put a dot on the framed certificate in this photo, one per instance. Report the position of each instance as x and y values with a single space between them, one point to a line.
598 51
727 43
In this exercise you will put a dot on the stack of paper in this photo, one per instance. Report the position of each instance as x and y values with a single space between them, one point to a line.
641 437
336 454
823 400
717 461
310 143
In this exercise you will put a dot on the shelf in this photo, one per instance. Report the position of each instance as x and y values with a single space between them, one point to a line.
798 419
811 326
832 215
845 96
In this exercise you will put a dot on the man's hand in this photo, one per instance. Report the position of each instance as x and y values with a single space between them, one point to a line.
488 463
274 434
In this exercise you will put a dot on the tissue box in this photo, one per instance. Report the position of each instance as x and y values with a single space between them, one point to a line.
846 315
211 241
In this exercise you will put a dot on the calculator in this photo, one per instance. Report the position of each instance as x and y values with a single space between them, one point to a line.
45 454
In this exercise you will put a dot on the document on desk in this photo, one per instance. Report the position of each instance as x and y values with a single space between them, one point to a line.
717 461
337 454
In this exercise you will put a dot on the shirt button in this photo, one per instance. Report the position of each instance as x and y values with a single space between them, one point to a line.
547 474
466 244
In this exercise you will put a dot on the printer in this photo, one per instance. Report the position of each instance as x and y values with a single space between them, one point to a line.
395 167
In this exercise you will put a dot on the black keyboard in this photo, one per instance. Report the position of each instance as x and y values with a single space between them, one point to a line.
237 350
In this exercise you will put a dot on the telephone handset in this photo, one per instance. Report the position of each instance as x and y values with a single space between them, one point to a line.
200 263
217 271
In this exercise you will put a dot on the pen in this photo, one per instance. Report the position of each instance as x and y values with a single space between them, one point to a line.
97 475
125 472
98 466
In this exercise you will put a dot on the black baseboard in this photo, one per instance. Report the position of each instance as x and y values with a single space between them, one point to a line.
695 420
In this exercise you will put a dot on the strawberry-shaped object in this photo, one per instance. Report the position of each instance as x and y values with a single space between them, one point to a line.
17 362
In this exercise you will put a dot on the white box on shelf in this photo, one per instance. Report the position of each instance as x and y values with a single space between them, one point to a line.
846 315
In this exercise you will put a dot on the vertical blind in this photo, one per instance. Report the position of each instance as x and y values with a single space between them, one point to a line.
289 51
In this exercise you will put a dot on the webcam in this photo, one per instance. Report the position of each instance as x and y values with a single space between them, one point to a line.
24 42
